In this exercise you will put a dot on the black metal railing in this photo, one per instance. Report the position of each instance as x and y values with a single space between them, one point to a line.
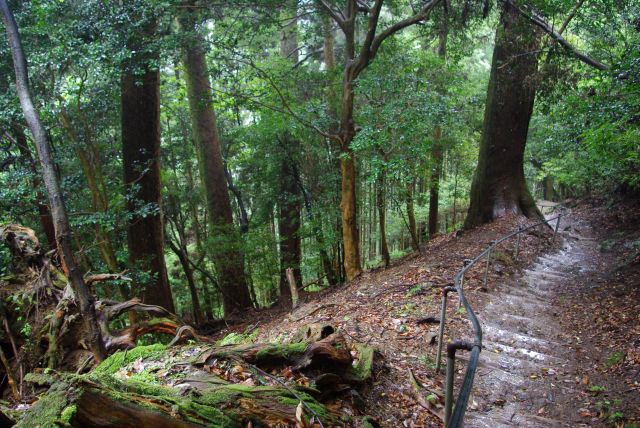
453 417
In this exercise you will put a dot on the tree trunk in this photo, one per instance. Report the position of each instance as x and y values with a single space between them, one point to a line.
434 181
499 185
348 208
183 257
141 162
547 188
227 254
52 184
289 208
289 202
411 215
436 149
384 248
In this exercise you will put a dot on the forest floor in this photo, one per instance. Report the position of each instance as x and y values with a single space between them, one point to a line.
562 324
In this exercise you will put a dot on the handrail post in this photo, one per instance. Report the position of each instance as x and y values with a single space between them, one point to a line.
515 257
555 231
451 361
461 285
486 272
443 316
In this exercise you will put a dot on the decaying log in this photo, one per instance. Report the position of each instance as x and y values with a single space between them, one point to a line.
224 386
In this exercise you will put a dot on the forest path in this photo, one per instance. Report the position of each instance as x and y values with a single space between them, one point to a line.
527 370
523 349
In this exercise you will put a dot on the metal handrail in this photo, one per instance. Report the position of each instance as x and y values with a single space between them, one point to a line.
455 420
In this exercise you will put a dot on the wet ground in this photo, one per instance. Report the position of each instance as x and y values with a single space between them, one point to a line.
529 372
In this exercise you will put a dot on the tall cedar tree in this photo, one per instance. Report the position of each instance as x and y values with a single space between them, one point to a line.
289 201
437 155
227 257
141 163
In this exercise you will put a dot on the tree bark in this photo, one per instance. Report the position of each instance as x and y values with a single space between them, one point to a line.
434 181
141 162
289 208
227 253
411 215
437 157
52 184
380 202
499 185
289 201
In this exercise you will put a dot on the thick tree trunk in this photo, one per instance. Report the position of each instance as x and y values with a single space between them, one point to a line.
227 253
141 162
499 185
348 208
548 190
52 184
382 211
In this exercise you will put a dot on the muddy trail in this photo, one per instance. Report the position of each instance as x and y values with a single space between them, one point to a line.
561 325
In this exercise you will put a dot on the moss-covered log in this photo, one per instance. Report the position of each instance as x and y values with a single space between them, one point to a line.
217 386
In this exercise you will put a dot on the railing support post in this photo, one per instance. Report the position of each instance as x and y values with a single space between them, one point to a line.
443 316
555 231
486 272
451 361
461 285
515 257
448 396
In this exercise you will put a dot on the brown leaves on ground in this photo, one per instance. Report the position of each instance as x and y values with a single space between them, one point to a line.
386 309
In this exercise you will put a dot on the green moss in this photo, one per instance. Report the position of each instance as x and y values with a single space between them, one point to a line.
121 358
47 411
68 413
363 370
212 415
237 338
281 351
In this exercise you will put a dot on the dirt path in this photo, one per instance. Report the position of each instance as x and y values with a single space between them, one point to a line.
531 373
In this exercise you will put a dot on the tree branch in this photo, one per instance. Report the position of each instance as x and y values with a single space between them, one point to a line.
391 30
541 23
336 16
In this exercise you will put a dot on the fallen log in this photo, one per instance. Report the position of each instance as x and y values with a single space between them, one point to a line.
217 386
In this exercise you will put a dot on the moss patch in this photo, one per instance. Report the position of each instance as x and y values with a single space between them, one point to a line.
47 411
281 351
122 358
363 369
68 413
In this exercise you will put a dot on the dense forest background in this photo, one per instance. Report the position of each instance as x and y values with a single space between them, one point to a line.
205 147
